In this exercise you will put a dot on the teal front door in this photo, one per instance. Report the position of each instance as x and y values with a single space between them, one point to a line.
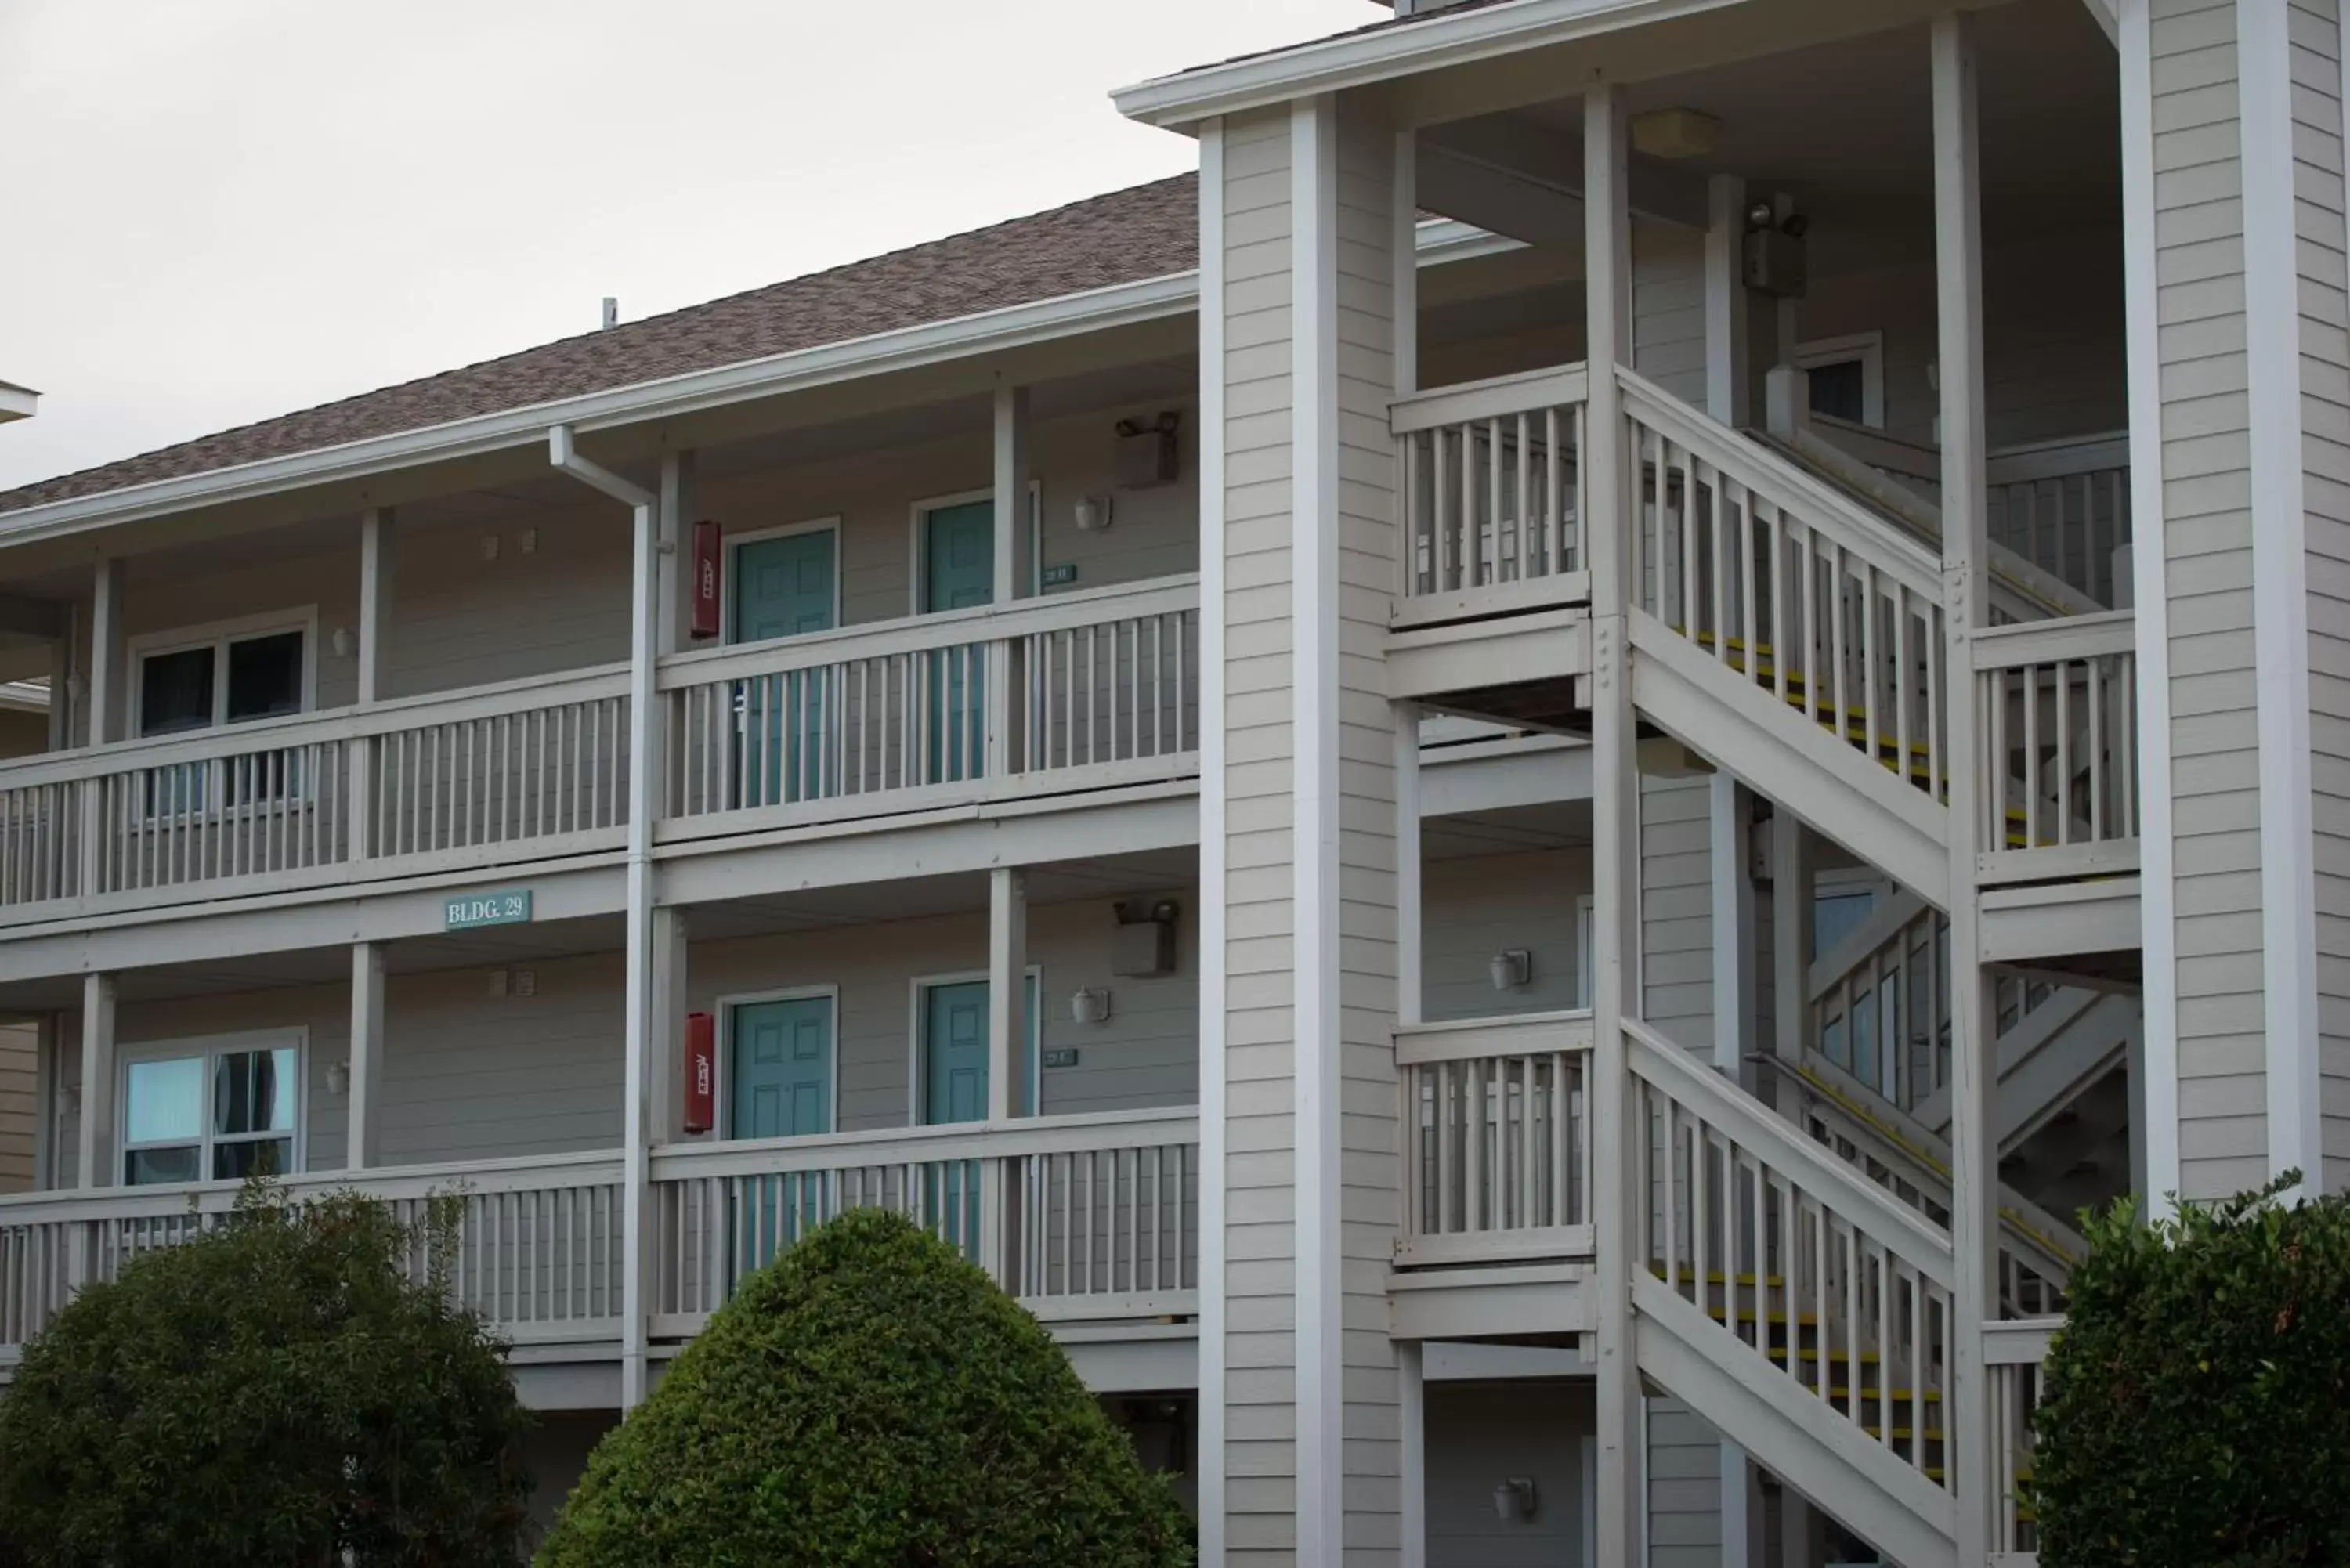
784 586
958 573
783 1067
954 1089
780 1085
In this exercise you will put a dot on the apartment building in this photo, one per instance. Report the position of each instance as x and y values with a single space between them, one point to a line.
1510 800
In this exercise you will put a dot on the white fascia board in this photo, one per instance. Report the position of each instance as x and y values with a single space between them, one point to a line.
1354 59
937 342
17 402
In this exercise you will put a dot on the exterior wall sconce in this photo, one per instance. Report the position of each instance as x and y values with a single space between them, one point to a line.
1090 1006
1094 514
1513 1499
1511 969
338 1079
345 643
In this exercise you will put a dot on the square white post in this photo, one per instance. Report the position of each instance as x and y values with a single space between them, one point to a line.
1974 1077
365 1131
1615 795
1014 571
107 718
375 620
96 1153
1007 1048
665 1043
674 557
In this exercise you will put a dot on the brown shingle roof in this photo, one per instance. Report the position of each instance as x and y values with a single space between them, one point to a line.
1149 231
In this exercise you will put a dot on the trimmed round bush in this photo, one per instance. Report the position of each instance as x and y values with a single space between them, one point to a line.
275 1393
869 1398
2196 1411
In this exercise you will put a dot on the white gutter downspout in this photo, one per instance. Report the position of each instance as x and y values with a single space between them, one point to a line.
636 1183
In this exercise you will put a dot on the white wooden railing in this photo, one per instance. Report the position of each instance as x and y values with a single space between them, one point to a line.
1497 1150
2014 1355
2058 743
1077 689
2061 505
523 769
1784 580
1813 1280
2037 1251
1090 1216
1492 480
535 1244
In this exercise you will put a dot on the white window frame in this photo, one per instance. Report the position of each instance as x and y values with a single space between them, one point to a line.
1868 348
210 1048
723 1080
918 1044
918 539
734 543
217 636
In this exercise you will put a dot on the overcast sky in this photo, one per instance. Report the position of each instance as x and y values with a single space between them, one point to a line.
215 211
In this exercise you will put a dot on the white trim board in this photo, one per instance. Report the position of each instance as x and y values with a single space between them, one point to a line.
2157 932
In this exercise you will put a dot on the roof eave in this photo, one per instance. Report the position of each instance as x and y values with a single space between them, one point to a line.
17 402
1038 321
1356 60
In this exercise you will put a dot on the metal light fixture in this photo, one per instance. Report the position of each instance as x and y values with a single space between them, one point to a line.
1513 1499
1094 514
345 643
338 1079
1090 1006
1510 968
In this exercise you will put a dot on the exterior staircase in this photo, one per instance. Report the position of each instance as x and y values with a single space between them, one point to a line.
1795 1279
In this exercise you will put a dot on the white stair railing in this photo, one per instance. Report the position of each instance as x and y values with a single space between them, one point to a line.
1497 1150
1776 576
2058 746
1492 482
2037 1251
2015 1354
1816 1280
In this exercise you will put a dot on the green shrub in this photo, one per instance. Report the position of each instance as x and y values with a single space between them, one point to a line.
274 1393
870 1398
2196 1412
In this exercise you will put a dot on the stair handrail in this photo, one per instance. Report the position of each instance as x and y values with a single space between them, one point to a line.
2038 1240
1757 469
1868 1208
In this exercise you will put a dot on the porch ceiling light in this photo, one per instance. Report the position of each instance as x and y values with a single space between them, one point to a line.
1675 133
1513 1499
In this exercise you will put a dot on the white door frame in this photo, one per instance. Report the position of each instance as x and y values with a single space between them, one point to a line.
733 543
919 1044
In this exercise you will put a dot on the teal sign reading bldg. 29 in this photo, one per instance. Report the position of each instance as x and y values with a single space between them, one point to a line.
466 910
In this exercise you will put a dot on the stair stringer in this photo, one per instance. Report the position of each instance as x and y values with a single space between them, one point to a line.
1729 1384
1745 731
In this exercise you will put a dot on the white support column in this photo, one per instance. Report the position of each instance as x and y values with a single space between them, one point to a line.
1214 802
1015 570
1007 1043
94 1156
674 561
1974 1078
1403 262
1791 934
1615 795
376 565
365 1134
61 656
107 718
1411 1407
1007 989
664 1068
1728 389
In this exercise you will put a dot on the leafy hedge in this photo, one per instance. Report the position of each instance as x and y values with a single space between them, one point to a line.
275 1393
2196 1412
869 1398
